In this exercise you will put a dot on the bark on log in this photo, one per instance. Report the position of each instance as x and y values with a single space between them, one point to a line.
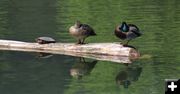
100 51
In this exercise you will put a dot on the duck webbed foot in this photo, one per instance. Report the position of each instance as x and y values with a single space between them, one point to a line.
78 42
126 44
82 41
123 43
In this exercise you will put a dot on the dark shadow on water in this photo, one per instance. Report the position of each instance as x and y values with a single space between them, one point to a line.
29 19
23 71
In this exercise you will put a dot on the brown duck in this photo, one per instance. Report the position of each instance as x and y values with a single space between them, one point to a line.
81 32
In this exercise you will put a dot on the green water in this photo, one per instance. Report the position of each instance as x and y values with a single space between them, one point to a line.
25 73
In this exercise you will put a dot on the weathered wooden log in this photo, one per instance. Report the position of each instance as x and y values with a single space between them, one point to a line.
100 51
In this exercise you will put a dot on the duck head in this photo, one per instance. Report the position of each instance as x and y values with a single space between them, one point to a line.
126 83
77 24
124 27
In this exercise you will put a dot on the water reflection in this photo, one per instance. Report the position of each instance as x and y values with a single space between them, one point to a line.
82 68
44 55
159 20
128 75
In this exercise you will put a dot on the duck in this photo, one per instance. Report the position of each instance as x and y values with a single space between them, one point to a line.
127 32
81 31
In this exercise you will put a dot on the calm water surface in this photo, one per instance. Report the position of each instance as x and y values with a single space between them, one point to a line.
26 73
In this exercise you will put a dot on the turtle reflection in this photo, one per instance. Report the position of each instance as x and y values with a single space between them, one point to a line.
82 68
128 75
44 55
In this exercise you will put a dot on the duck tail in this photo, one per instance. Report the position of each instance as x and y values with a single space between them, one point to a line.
93 33
139 34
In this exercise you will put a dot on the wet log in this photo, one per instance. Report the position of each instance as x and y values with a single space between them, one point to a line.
100 51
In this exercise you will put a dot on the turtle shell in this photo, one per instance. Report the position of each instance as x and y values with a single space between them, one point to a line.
45 40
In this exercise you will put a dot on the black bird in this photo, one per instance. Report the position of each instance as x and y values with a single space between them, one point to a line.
127 32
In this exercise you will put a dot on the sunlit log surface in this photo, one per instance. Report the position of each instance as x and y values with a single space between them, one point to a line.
101 51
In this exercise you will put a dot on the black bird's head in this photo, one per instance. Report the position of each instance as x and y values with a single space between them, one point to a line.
124 27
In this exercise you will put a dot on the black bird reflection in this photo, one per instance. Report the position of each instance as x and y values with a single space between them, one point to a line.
82 68
128 75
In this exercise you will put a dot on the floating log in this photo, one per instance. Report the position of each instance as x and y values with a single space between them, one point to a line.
100 51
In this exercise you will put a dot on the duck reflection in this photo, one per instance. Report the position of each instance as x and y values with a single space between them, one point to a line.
44 55
128 75
82 68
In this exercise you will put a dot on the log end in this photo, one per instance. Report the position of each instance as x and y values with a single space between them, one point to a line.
134 54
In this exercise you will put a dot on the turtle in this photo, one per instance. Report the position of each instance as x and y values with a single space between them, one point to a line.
45 40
